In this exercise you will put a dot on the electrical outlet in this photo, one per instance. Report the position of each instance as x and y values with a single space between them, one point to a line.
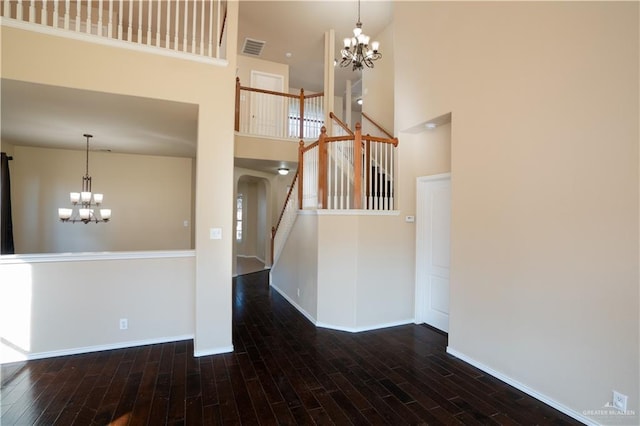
124 324
620 401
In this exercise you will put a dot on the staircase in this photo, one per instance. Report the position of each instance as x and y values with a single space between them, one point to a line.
348 171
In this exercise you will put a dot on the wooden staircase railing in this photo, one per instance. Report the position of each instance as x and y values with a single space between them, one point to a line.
352 171
308 113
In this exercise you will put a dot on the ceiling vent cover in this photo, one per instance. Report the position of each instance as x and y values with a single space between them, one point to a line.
253 47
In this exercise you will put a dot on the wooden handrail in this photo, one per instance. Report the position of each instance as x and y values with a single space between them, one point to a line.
301 97
393 141
378 126
340 123
274 229
269 92
286 200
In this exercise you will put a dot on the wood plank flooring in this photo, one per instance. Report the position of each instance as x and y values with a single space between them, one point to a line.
283 371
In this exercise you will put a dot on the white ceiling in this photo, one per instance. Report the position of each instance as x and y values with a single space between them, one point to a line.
57 117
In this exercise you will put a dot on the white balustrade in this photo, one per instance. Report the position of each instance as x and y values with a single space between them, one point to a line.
153 23
310 179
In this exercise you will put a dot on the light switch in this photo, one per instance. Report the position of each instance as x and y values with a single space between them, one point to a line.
215 233
409 219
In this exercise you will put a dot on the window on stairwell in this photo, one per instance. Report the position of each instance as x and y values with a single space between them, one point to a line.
239 212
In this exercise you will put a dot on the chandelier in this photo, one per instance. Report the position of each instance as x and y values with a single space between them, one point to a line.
356 50
83 202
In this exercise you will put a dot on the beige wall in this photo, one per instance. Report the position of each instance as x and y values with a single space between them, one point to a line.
150 198
377 87
544 97
82 65
246 64
50 312
295 274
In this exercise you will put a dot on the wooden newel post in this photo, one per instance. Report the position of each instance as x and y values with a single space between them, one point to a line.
301 113
357 168
237 118
273 237
300 174
367 164
322 169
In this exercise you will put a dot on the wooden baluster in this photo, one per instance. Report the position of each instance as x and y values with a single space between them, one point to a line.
43 13
322 169
120 6
6 11
219 26
167 37
129 23
66 14
88 29
184 29
100 17
210 36
176 28
149 20
139 40
19 10
158 19
78 10
357 168
301 113
193 28
55 14
110 25
202 28
32 11
300 173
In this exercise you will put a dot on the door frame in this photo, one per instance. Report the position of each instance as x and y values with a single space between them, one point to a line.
252 112
421 290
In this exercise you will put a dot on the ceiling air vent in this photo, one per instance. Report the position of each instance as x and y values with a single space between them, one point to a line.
253 47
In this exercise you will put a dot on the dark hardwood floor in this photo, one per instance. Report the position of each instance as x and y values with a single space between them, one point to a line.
283 371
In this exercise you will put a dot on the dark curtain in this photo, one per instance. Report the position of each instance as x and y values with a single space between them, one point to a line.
6 224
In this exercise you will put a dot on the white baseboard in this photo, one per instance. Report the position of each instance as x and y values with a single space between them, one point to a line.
98 348
293 302
524 388
365 328
215 351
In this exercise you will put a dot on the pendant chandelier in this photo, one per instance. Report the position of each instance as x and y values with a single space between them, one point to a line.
356 50
83 202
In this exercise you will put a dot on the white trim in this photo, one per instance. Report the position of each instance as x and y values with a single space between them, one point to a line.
93 256
98 348
295 305
431 178
247 256
365 328
524 388
215 351
110 42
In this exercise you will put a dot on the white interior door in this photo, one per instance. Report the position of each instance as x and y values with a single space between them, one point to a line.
433 227
267 111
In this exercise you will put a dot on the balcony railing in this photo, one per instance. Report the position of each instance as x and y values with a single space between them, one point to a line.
178 26
353 171
267 113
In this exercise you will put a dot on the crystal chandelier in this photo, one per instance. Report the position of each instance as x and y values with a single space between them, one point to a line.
83 202
356 50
